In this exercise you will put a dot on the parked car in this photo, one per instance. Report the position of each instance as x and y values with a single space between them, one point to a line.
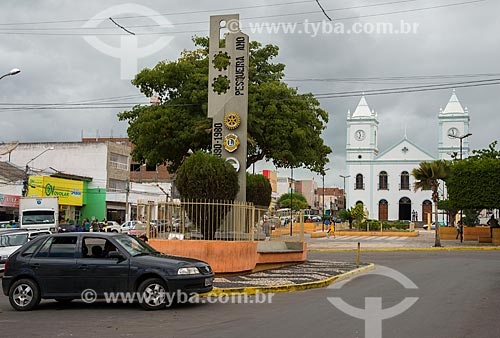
66 227
314 219
433 225
112 226
102 262
13 239
122 229
9 224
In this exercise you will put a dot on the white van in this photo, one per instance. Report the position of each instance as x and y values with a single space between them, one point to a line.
13 239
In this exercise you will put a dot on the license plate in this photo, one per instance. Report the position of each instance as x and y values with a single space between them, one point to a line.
208 281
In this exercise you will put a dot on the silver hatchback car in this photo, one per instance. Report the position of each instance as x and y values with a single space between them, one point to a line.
13 239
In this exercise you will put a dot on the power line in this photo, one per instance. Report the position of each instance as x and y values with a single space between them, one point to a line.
319 96
392 78
207 22
250 27
163 14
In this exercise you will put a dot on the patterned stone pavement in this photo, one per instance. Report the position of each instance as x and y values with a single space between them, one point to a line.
310 271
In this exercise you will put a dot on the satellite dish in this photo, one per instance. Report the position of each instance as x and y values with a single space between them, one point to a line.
7 148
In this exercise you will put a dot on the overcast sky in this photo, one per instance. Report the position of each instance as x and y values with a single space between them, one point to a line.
59 66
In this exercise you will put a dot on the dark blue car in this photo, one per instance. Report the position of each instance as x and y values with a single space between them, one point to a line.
65 266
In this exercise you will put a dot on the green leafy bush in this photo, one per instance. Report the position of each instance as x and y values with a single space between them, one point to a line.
204 176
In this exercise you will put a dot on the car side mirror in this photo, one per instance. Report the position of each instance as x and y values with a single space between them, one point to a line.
116 255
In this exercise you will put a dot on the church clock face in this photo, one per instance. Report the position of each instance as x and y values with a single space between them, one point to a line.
453 132
359 135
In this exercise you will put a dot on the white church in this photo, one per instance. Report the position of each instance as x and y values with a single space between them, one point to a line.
382 181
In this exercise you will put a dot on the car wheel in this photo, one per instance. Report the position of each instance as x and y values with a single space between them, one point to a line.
154 294
24 295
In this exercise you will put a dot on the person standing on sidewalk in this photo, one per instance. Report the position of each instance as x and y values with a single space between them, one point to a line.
460 230
493 223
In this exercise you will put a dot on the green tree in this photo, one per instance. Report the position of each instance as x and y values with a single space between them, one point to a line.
451 209
259 190
473 182
284 127
358 213
427 176
346 214
298 200
207 177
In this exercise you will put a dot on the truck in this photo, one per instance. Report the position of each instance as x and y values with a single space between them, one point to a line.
39 213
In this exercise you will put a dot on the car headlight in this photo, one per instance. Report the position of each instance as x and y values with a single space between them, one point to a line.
188 271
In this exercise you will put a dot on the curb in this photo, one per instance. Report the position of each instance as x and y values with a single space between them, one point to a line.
287 287
409 249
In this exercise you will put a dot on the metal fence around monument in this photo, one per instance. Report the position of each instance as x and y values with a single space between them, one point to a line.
212 220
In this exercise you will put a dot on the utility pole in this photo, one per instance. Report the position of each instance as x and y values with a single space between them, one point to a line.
323 205
461 211
291 202
345 194
127 192
25 181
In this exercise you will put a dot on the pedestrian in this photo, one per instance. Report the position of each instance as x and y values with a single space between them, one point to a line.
86 225
460 230
95 226
493 223
416 216
413 215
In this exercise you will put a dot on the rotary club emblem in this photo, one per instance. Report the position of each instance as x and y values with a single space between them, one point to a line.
232 120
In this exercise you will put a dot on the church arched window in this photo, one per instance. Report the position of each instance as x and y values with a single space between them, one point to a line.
405 181
382 181
360 185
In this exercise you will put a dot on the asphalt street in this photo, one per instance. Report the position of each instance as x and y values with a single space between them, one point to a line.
458 296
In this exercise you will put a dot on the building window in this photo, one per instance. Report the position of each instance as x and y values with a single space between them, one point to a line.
405 181
117 185
118 161
382 181
135 167
360 185
150 167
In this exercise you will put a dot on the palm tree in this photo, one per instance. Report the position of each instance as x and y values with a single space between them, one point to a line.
428 175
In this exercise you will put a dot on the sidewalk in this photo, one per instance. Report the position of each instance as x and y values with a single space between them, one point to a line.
308 275
425 241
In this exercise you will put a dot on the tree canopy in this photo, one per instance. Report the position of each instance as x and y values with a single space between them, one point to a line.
474 182
284 127
205 176
298 201
259 190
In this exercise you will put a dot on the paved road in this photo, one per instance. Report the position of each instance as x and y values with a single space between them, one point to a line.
459 296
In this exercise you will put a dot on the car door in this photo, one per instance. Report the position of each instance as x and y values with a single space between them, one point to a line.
99 272
54 266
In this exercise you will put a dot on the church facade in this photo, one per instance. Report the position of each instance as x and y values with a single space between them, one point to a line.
382 181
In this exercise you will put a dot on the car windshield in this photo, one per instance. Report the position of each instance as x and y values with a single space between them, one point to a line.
135 246
13 240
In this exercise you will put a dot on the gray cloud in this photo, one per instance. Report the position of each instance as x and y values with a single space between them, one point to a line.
453 40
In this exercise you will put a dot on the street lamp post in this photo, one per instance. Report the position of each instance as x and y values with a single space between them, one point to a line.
461 157
291 202
13 71
26 170
345 199
461 140
323 201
